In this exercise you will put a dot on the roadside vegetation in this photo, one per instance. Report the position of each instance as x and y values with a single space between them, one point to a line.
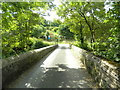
95 25
88 25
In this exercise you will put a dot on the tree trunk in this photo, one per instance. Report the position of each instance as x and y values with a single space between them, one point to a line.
81 35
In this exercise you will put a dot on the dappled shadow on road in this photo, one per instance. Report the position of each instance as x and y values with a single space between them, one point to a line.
58 69
65 77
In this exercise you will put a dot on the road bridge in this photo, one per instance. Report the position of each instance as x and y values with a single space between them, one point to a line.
59 66
58 69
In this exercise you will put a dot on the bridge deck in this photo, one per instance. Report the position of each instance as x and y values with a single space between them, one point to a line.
59 69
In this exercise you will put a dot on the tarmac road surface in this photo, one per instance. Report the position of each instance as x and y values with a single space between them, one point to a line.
58 69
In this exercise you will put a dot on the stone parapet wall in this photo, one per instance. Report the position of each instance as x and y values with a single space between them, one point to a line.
105 73
13 66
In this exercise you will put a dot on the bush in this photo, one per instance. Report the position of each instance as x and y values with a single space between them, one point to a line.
38 44
15 48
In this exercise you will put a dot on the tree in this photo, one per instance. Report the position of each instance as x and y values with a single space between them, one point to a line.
92 23
77 12
65 32
18 20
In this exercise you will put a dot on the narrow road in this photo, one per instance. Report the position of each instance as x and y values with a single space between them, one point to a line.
59 69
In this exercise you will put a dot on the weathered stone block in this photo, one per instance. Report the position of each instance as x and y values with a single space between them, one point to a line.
104 72
14 66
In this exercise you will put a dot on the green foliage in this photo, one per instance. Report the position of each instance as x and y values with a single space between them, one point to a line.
38 43
65 32
19 22
38 31
88 23
94 28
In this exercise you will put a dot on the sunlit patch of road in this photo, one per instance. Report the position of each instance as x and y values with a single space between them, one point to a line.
59 69
62 55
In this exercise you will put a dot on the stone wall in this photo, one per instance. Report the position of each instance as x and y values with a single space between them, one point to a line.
105 73
13 66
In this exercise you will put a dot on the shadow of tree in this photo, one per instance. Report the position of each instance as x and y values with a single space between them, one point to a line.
65 77
57 75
